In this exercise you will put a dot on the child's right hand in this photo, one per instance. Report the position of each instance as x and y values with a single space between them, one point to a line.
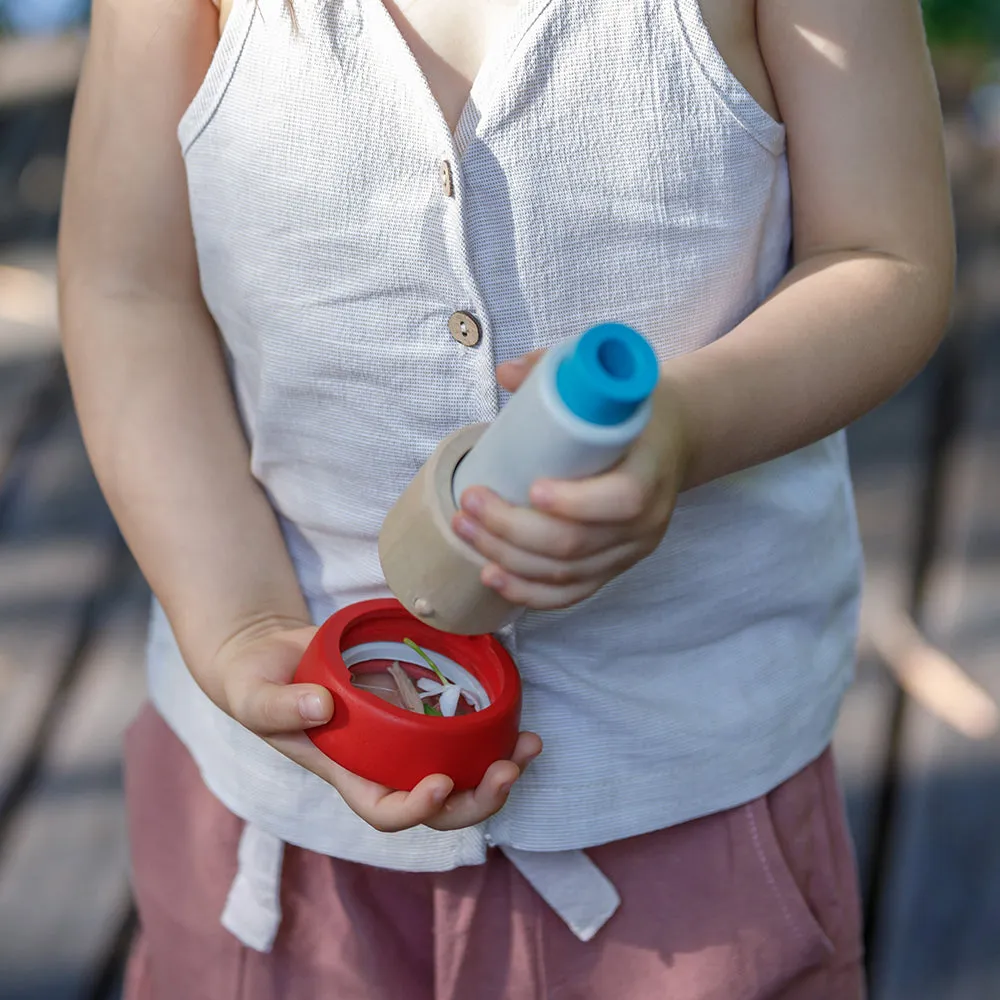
250 680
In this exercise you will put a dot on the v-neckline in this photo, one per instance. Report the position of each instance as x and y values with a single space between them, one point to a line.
491 69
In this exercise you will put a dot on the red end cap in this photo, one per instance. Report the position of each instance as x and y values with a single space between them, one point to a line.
390 745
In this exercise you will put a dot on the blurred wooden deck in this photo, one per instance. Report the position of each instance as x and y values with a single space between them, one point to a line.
918 749
72 604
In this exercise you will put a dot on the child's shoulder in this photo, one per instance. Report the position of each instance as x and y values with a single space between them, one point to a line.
733 27
224 6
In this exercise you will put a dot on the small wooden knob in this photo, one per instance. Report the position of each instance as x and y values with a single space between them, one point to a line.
434 574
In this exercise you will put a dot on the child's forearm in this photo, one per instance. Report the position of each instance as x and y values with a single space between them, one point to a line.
163 435
868 299
841 334
144 359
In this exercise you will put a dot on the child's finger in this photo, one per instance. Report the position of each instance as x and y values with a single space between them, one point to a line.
538 595
391 811
472 807
382 808
512 373
622 494
613 498
549 569
531 530
267 709
466 809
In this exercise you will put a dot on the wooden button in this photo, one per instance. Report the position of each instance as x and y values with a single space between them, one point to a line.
464 328
446 184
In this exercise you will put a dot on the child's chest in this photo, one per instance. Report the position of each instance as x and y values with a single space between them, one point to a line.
449 39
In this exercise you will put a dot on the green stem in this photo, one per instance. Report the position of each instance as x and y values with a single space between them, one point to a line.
416 649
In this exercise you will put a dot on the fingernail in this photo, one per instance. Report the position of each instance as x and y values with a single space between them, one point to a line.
440 794
311 708
465 528
541 495
473 503
492 577
505 788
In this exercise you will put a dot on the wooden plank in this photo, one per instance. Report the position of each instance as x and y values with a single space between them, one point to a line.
64 890
57 546
940 926
36 69
61 821
887 449
861 748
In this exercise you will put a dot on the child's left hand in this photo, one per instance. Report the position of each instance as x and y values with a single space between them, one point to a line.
578 534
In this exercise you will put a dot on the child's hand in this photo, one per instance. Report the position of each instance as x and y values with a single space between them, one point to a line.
578 535
250 681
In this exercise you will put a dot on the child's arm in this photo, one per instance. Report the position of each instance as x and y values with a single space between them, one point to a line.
867 302
858 316
158 416
145 364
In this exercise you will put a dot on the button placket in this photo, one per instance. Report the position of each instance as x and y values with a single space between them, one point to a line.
464 328
447 184
468 326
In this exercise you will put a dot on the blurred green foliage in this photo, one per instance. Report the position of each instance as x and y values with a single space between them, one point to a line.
962 22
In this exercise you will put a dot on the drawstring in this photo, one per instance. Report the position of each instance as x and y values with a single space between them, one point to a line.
568 881
571 884
253 907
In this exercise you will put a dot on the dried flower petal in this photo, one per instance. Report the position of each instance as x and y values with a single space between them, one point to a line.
431 689
379 684
441 677
407 690
449 700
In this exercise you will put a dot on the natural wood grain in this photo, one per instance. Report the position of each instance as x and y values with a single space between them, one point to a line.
427 566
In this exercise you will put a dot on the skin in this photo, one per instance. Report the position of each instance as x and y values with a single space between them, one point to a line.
860 313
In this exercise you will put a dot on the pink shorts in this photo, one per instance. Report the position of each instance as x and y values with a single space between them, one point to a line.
760 901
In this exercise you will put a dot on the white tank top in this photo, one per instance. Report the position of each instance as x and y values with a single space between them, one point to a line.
607 167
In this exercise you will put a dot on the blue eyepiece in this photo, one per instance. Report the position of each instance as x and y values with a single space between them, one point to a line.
608 375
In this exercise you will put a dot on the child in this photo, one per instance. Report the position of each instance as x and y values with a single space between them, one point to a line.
270 326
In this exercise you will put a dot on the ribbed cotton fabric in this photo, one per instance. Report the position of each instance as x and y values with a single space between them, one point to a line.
607 167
